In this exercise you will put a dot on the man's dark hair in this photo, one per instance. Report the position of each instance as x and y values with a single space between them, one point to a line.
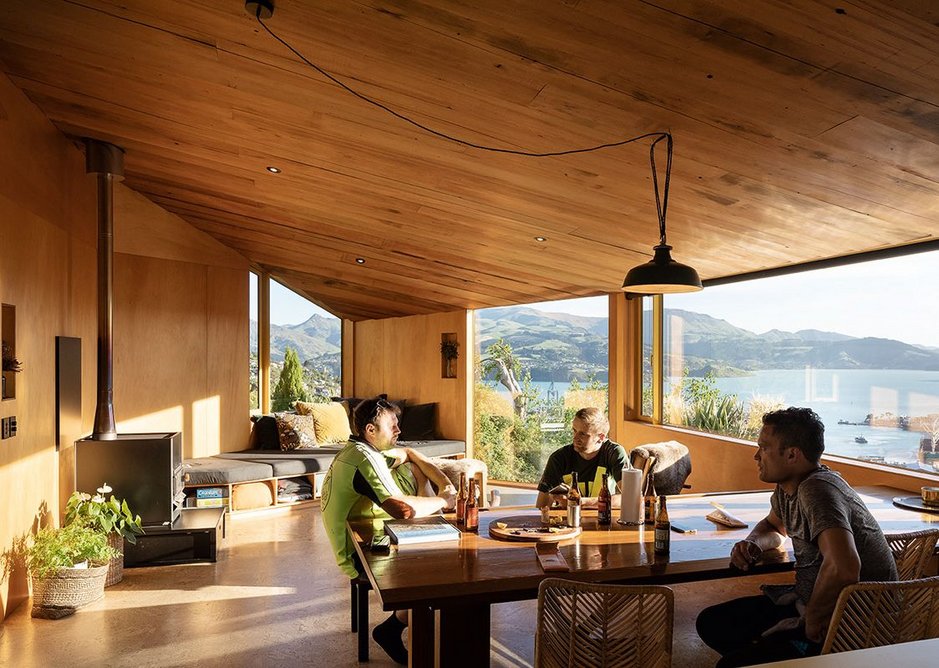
799 428
370 411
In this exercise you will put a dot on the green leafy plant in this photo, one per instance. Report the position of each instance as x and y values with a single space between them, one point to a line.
10 363
103 515
450 349
73 544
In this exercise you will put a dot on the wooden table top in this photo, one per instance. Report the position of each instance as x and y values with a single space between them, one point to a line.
479 568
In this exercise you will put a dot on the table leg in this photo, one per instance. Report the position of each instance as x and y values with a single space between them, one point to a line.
464 635
421 638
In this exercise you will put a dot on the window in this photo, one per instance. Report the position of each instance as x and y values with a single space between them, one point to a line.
535 367
254 400
304 339
857 343
646 359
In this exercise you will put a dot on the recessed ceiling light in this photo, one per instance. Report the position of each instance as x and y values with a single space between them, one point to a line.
272 169
541 239
360 260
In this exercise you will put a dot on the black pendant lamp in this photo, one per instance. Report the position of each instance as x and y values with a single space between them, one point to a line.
661 274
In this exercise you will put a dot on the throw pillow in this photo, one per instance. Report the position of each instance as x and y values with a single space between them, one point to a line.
330 421
419 423
296 432
264 434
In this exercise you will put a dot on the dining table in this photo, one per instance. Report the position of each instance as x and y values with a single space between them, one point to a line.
449 586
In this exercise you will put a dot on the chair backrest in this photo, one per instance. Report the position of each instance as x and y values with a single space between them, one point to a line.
872 614
592 625
912 551
670 461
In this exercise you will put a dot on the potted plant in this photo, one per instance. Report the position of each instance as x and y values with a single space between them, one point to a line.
68 567
8 364
109 517
450 350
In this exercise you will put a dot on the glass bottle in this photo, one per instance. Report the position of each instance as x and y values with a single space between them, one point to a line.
604 503
650 500
573 502
461 500
471 516
663 529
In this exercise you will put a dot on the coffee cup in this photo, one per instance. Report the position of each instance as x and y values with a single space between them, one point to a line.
930 496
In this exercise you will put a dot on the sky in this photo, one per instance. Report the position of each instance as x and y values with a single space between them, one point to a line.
896 298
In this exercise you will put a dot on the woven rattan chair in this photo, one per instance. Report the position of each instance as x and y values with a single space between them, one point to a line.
913 551
595 625
872 614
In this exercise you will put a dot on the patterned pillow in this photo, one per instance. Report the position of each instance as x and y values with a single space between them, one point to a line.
296 432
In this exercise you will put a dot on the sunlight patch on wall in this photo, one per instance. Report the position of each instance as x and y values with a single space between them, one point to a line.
166 420
207 428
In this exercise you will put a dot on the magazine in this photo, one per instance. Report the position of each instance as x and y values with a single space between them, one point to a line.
420 530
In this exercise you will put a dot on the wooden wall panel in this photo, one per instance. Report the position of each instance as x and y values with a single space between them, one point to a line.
159 329
401 356
181 319
226 386
46 232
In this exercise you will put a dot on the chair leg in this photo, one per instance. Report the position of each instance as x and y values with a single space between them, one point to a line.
362 621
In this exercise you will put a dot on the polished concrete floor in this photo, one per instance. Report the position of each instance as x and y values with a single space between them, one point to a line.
274 598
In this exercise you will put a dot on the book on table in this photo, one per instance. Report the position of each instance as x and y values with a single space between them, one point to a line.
420 530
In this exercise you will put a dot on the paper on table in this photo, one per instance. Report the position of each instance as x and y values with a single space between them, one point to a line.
630 508
721 516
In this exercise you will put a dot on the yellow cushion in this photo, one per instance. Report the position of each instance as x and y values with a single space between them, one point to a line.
330 421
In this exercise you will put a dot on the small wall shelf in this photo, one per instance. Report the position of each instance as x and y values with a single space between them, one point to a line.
448 364
8 336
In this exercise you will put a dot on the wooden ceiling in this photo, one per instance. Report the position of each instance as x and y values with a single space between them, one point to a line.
803 130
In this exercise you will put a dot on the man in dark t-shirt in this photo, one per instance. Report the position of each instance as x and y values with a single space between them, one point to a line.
836 540
590 455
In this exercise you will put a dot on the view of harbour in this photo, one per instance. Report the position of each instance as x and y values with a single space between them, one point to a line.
846 395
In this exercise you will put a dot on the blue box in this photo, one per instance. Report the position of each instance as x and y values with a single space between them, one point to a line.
210 492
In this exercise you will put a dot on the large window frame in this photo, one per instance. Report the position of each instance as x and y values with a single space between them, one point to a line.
658 326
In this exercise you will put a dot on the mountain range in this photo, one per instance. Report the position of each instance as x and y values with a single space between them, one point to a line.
560 346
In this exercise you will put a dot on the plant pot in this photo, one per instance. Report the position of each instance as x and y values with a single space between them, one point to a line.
116 565
60 595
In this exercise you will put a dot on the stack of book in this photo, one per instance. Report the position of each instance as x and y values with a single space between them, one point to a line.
208 497
420 530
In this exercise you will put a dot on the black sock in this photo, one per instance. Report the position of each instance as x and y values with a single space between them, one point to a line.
388 636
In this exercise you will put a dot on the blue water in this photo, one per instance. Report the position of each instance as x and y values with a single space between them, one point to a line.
842 394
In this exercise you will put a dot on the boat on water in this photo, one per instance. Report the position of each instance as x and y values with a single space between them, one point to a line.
860 439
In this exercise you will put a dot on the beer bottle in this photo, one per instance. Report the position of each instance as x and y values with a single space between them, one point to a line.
573 503
461 500
471 513
663 529
650 500
604 503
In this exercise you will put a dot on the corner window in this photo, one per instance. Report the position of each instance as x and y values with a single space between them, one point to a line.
857 343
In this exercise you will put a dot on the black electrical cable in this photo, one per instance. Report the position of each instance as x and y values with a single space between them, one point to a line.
657 135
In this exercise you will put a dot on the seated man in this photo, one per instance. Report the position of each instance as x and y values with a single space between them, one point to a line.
371 479
591 455
836 540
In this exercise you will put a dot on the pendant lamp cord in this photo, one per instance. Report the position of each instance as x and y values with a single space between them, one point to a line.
661 205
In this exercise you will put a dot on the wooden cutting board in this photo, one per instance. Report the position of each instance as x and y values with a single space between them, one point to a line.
528 528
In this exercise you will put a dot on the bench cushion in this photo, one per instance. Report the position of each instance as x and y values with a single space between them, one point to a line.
289 463
217 471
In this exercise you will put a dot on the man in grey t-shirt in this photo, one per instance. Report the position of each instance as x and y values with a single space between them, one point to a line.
836 541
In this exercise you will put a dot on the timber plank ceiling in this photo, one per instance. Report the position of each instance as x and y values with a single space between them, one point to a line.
803 130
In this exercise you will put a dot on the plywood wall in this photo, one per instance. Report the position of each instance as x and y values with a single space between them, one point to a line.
180 320
401 356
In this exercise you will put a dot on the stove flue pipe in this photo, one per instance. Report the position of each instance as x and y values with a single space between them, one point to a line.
106 161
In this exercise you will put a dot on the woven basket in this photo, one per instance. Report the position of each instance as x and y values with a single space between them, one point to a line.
61 594
116 565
